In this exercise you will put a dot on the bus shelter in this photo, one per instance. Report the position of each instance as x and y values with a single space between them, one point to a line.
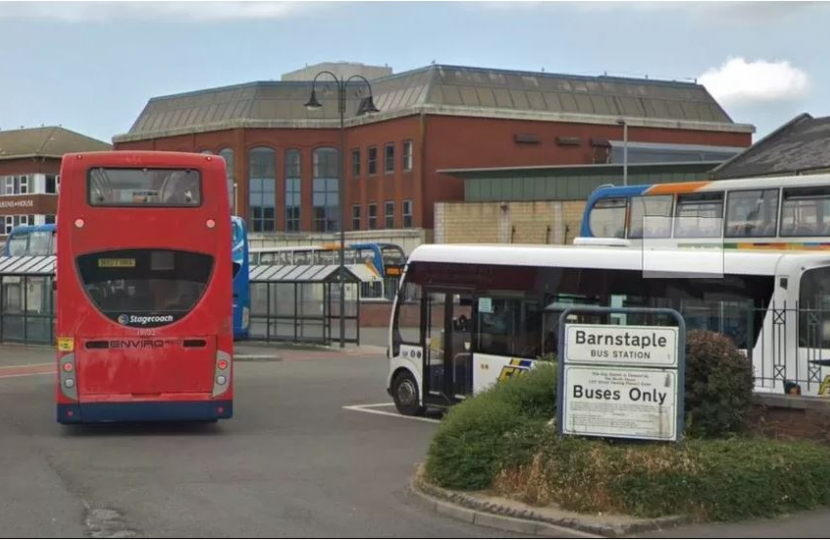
27 299
301 303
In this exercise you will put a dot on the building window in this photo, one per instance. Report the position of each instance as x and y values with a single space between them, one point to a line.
373 216
326 191
406 156
16 185
356 162
407 214
372 158
389 213
389 158
49 219
292 191
262 184
227 155
14 221
51 183
356 217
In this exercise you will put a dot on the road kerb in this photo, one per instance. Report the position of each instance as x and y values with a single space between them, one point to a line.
468 508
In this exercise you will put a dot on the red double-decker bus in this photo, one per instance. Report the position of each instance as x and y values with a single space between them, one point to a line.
144 296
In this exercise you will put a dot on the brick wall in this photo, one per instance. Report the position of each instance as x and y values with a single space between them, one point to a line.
532 222
784 417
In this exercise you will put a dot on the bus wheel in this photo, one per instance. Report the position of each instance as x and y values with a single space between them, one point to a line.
405 394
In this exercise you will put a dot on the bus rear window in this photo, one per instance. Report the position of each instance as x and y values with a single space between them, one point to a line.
145 287
144 187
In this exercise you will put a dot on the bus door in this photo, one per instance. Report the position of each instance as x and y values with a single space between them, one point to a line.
448 356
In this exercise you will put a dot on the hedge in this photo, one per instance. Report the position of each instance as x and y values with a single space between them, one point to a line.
503 439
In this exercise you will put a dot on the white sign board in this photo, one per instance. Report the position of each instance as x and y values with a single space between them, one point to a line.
620 381
605 401
628 345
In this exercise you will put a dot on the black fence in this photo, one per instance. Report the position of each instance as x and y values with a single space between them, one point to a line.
303 312
27 309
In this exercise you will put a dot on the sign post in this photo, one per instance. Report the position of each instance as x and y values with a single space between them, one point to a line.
621 381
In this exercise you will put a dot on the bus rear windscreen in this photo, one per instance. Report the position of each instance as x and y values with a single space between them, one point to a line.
145 287
144 187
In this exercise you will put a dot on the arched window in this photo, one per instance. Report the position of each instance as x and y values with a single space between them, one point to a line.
326 190
227 155
292 191
262 185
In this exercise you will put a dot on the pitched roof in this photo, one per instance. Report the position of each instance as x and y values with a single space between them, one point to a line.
800 145
47 141
440 89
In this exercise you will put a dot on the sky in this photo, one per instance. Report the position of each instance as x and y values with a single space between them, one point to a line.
92 66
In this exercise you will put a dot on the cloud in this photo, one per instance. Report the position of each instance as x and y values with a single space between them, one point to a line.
738 81
80 12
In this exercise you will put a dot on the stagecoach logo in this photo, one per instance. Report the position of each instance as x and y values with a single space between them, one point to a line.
144 320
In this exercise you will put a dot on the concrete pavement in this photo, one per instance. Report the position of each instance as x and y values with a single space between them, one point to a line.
292 462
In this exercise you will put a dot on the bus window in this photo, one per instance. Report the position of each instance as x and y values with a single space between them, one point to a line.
806 212
326 257
166 284
144 187
39 242
699 215
407 328
814 308
367 256
607 218
653 213
509 327
17 245
751 213
393 256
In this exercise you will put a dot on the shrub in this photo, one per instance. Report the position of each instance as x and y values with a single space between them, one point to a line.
709 479
498 428
719 383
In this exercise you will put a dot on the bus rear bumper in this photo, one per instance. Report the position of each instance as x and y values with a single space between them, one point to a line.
147 411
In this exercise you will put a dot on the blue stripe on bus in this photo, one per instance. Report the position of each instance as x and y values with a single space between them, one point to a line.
147 411
607 193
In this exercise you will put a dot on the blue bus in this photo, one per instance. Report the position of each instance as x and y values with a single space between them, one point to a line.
31 240
39 240
241 288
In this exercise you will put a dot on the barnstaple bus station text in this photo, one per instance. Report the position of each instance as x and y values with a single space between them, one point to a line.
627 340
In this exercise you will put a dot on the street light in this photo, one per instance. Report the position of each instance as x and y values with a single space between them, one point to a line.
367 105
624 124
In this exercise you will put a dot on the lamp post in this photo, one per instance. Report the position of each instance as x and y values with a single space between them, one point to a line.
624 124
366 105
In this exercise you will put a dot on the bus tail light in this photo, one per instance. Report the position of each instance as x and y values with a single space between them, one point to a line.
68 384
222 373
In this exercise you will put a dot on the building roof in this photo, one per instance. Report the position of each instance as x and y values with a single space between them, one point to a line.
801 145
440 89
47 141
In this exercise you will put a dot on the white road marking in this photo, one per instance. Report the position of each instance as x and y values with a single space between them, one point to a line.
256 357
372 409
26 374
28 365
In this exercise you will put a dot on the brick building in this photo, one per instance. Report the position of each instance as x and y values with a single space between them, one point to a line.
283 158
30 161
